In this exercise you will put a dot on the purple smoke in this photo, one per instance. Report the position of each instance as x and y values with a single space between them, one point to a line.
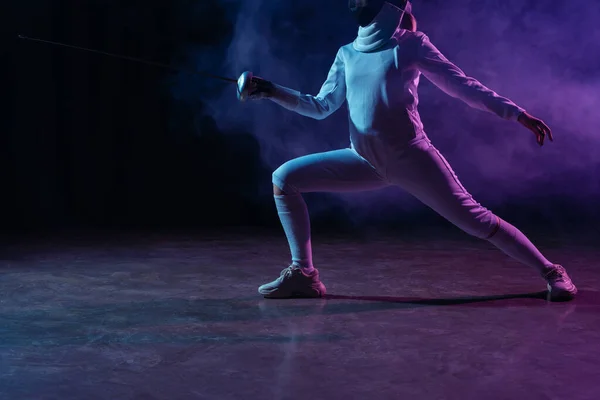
542 55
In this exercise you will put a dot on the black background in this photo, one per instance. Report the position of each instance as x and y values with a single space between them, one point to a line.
89 141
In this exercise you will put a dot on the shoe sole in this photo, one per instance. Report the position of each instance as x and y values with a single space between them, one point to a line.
292 296
318 293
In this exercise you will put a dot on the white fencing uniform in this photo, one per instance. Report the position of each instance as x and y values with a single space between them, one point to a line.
378 75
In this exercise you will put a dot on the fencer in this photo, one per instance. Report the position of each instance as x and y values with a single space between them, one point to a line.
378 75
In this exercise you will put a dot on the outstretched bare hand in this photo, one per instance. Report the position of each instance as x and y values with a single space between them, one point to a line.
537 126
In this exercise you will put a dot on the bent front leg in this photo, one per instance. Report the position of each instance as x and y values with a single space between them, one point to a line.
334 171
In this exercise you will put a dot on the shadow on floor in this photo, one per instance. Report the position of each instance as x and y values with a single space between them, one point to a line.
443 301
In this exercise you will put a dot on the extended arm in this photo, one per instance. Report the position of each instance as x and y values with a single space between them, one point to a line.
330 98
453 81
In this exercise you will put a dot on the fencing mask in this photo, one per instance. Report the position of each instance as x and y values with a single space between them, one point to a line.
364 11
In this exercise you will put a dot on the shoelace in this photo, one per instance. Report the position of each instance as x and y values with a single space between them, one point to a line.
287 272
556 274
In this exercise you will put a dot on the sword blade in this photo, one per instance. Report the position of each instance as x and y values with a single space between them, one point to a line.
135 59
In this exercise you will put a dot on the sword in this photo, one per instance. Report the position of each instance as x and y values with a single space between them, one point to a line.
139 60
243 82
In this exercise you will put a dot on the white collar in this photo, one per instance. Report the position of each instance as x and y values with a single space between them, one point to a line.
380 30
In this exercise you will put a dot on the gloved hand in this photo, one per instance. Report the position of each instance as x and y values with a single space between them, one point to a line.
260 88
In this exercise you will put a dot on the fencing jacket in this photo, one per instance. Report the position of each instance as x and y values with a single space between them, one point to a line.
378 75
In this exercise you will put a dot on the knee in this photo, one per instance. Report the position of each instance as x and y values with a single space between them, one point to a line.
283 181
495 228
482 226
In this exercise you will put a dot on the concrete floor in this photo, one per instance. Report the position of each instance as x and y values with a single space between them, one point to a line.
178 317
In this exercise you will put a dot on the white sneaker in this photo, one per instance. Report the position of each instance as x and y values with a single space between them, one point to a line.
560 286
293 282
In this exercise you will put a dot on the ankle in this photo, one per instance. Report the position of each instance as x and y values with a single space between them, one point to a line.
306 268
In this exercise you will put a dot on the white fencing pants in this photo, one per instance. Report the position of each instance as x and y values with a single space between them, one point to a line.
419 169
